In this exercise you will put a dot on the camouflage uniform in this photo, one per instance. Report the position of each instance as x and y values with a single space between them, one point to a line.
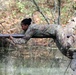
37 30
62 36
54 31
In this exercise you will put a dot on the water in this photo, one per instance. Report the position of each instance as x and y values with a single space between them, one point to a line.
34 61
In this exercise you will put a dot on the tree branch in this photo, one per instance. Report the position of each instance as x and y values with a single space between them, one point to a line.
59 5
40 11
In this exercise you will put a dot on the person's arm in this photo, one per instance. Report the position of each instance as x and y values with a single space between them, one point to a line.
28 34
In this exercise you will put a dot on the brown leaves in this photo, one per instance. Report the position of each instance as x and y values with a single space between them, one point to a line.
10 23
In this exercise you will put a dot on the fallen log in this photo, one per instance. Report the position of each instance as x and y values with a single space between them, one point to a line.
22 35
13 35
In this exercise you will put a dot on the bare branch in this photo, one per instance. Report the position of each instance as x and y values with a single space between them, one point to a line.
38 9
59 5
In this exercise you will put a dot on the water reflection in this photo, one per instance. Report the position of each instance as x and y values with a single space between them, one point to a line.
25 62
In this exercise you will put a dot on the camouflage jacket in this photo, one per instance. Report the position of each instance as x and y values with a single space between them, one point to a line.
37 30
64 39
62 35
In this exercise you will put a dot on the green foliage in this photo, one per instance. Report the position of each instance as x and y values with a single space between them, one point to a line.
26 7
21 6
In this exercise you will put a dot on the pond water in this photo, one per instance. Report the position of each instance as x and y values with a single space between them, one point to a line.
34 61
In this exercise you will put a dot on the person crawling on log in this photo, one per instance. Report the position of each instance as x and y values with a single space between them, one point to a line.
64 38
31 30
